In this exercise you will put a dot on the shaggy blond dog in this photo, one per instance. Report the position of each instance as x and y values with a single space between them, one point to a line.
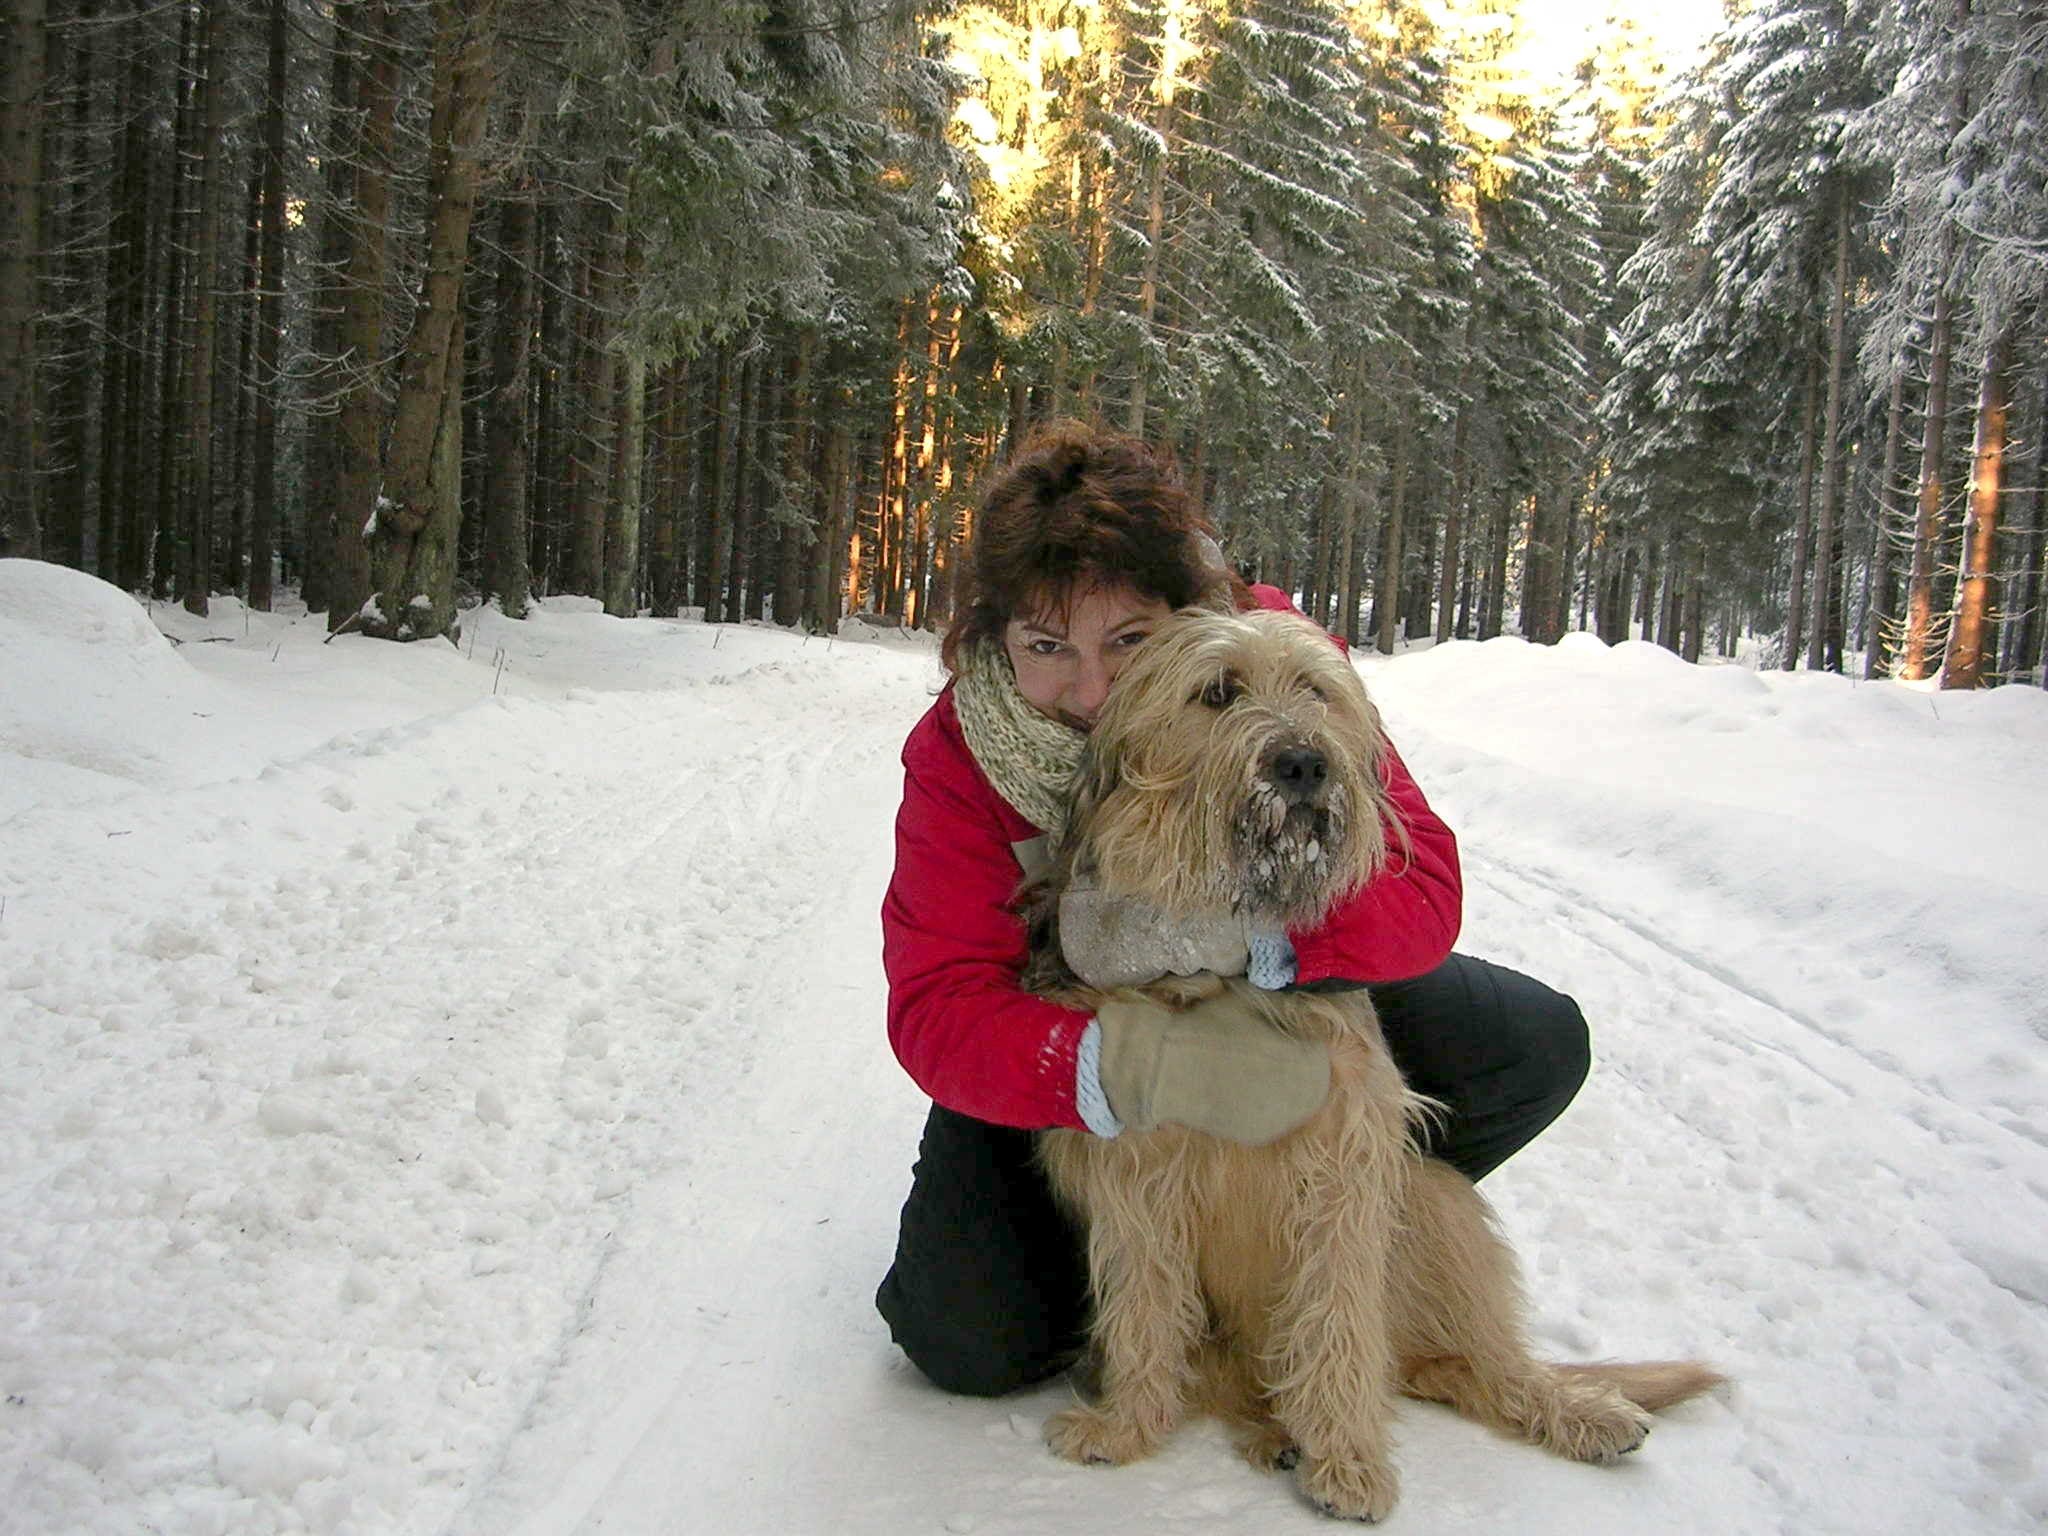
1294 1289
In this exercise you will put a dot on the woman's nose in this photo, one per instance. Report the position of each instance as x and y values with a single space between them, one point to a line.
1091 684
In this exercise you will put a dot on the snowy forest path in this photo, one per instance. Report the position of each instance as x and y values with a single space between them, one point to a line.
483 1125
1731 1199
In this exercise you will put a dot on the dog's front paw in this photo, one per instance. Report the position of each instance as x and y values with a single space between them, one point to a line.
1599 1429
1269 1448
1352 1488
1095 1437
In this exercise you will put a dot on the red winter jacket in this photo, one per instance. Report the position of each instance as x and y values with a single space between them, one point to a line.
953 950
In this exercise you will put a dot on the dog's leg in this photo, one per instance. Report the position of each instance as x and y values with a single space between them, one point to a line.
1332 1359
1149 1319
1461 1336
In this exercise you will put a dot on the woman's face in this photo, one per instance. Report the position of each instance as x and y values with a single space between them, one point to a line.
1065 662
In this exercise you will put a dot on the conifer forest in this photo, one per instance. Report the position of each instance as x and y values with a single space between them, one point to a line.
727 305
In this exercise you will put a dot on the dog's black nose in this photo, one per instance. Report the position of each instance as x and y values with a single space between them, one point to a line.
1299 772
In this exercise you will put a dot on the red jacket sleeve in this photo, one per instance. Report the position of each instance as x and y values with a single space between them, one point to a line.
962 1027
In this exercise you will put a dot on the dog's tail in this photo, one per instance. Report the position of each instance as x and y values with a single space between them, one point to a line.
1650 1384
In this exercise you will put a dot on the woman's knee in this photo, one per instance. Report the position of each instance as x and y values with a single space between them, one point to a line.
971 1356
1562 1047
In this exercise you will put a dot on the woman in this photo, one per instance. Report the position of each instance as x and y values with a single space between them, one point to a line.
1083 543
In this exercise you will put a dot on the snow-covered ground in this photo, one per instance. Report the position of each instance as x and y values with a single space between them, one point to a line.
444 1090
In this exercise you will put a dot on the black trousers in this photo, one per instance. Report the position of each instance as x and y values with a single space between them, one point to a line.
989 1288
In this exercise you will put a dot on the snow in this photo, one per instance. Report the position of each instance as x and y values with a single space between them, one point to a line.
443 1090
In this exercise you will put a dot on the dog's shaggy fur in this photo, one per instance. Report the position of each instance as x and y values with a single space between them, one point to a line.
1293 1289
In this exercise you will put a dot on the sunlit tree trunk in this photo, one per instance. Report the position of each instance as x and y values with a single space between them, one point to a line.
1963 665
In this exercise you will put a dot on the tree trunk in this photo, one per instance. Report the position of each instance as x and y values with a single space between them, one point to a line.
2024 628
1393 546
329 312
714 533
1802 532
413 524
21 187
360 416
1880 617
552 404
195 541
895 507
1963 665
593 444
827 551
234 405
623 517
664 557
800 530
1348 552
263 519
1927 530
123 313
622 523
506 574
74 221
1450 555
744 505
1824 650
1493 604
1148 276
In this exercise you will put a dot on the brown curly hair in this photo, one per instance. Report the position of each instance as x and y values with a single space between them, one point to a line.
1079 506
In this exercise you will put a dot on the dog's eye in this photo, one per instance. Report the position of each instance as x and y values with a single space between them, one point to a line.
1220 692
1315 688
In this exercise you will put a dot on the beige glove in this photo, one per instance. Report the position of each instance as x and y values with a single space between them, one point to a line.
1215 1067
1119 941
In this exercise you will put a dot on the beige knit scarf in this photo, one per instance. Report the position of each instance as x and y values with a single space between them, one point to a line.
1029 757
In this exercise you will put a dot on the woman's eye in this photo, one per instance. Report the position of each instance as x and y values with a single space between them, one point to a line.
1044 647
1132 641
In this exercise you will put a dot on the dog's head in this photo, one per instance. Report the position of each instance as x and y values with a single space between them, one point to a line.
1236 763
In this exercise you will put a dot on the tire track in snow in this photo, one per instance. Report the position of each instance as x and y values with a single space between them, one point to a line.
1775 1191
731 1268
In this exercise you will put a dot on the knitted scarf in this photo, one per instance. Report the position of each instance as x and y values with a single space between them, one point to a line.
1028 757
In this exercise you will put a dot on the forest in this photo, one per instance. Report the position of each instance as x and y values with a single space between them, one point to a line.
726 306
